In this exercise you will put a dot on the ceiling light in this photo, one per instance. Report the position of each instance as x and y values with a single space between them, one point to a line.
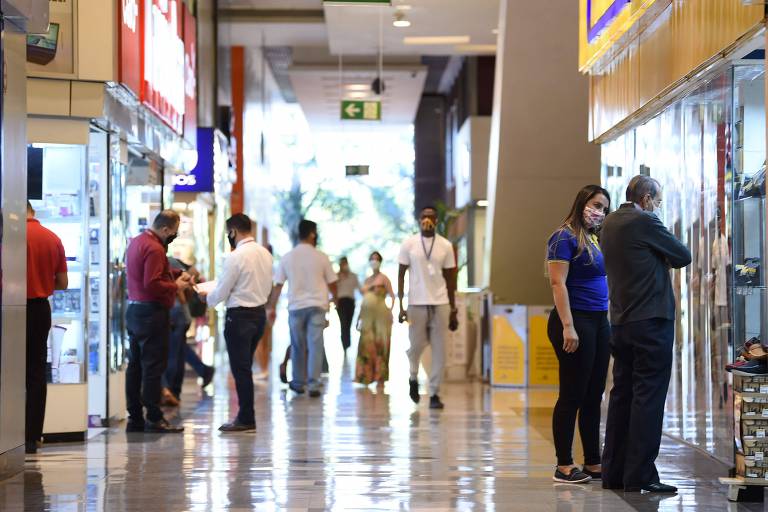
476 48
357 87
495 31
400 21
439 40
482 203
357 95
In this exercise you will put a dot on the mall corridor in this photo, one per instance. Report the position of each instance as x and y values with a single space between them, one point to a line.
357 449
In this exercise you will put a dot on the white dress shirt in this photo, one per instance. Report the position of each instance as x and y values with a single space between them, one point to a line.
246 279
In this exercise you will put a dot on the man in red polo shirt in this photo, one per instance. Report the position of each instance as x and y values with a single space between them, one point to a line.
46 272
152 290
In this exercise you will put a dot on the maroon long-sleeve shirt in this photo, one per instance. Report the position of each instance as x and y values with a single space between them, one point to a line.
150 278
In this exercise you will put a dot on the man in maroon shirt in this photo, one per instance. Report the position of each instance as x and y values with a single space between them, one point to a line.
152 289
46 272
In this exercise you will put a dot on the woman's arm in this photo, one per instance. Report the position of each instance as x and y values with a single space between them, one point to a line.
390 291
558 274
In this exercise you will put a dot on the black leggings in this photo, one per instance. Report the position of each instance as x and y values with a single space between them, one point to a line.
582 383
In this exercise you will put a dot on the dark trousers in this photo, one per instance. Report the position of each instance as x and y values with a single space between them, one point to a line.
38 327
345 307
243 329
582 383
194 361
173 377
642 353
148 330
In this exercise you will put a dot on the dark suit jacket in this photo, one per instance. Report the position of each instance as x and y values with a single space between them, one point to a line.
639 251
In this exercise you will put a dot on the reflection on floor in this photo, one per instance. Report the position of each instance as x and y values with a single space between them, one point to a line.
353 449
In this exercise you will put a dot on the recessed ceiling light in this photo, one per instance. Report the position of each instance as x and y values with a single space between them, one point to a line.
357 95
357 87
400 21
476 48
404 7
495 31
438 40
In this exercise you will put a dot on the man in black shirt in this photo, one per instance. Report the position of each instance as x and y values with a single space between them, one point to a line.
639 252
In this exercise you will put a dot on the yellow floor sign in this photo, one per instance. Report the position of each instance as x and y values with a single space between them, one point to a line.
543 368
508 350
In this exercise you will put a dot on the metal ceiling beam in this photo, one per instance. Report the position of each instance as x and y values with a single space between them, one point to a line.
272 15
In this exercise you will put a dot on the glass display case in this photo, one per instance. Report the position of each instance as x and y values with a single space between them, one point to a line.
63 206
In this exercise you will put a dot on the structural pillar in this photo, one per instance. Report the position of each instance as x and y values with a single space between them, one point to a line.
237 64
539 153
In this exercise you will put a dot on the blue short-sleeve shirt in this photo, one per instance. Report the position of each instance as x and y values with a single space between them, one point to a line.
587 282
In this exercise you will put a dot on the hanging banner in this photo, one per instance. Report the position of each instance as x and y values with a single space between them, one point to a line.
190 76
129 44
163 87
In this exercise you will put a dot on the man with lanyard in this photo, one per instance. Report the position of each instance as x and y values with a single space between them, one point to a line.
431 263
245 284
152 290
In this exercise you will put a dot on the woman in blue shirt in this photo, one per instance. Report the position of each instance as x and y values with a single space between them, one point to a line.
579 331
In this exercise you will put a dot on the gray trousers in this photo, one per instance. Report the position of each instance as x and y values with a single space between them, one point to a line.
428 325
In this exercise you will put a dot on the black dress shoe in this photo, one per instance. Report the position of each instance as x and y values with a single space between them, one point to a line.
208 375
30 447
236 426
435 403
162 427
657 487
134 426
414 390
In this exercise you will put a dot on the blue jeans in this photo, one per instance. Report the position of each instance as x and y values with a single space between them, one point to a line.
243 329
307 326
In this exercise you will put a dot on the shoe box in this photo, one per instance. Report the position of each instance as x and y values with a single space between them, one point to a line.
751 423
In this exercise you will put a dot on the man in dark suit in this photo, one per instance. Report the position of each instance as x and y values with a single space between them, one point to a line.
639 252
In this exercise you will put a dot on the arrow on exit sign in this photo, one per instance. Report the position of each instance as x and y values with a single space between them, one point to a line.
361 110
357 2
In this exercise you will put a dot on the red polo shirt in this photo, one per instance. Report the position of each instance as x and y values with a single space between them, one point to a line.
45 259
149 274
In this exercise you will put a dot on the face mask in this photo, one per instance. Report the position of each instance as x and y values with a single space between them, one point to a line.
658 212
593 218
171 238
427 224
375 264
232 238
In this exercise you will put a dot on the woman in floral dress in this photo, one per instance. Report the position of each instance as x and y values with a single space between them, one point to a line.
375 325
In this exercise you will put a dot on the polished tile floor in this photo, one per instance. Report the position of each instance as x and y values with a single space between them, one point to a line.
353 449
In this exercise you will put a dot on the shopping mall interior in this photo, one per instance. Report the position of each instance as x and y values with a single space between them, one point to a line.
387 123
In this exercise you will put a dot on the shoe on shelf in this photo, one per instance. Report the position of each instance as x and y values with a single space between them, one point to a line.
299 390
435 403
162 427
594 475
169 399
236 426
575 476
284 373
208 375
657 487
414 390
747 368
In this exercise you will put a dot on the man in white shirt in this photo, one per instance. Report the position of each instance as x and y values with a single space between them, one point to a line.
347 285
431 264
244 285
311 281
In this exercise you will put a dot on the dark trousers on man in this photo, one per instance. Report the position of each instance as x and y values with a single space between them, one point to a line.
38 327
173 377
148 330
345 307
642 353
243 329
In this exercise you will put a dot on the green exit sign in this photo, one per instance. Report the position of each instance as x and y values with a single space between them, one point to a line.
357 2
353 110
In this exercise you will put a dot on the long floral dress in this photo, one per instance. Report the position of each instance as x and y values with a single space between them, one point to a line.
375 331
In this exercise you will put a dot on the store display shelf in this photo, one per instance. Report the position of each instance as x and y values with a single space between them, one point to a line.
752 394
61 220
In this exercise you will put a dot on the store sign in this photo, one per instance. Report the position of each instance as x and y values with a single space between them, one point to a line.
190 77
163 87
600 14
130 45
200 179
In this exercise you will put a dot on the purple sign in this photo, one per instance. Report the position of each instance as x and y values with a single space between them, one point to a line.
594 31
199 179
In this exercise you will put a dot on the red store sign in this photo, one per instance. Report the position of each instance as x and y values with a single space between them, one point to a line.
157 59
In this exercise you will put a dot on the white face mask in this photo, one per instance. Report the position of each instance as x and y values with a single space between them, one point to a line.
658 212
375 264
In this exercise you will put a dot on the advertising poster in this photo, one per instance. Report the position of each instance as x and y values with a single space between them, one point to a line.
508 342
543 368
52 53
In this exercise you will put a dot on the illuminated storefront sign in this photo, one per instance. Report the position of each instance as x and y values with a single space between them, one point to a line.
157 59
600 14
200 179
